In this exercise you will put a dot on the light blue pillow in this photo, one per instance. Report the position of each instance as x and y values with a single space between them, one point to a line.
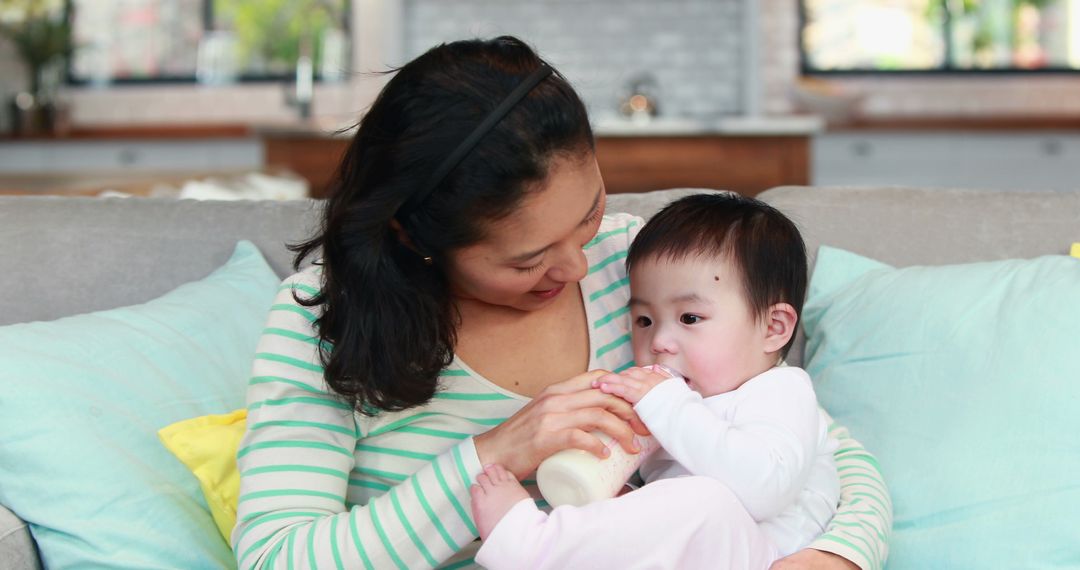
964 381
82 399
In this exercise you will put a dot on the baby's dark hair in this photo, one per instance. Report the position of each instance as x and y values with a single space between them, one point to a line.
760 241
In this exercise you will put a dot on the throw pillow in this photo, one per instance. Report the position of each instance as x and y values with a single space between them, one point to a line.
207 446
81 401
963 381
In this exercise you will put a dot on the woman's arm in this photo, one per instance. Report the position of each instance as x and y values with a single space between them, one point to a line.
298 455
860 531
296 463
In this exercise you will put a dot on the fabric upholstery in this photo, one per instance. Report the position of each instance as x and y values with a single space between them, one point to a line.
930 226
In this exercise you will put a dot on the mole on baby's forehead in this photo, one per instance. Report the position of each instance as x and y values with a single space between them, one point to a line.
716 277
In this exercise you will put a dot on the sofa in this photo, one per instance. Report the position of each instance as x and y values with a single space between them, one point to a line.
67 256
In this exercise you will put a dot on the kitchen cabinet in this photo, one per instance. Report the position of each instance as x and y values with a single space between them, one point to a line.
314 157
745 164
86 155
985 159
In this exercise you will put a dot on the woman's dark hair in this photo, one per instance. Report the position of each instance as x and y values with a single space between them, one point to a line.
388 323
763 243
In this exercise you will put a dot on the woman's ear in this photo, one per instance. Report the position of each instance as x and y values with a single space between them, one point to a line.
780 320
402 236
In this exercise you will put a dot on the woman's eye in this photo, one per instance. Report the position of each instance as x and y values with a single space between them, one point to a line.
642 321
688 319
530 269
594 216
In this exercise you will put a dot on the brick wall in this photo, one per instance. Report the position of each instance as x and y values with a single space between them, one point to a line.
692 47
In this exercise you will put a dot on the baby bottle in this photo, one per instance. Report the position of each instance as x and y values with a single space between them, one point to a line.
576 477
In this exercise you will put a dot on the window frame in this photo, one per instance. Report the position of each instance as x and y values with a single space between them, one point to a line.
208 23
806 70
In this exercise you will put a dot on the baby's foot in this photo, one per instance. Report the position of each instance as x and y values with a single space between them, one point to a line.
495 492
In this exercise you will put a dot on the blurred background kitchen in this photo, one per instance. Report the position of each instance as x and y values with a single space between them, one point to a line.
255 98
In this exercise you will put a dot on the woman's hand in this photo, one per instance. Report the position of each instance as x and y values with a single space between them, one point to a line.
560 417
810 559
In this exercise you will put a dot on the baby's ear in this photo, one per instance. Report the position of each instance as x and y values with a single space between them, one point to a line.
780 320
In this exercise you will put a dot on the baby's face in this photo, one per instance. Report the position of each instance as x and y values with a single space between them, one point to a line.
691 315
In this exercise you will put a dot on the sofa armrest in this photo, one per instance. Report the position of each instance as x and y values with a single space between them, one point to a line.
17 549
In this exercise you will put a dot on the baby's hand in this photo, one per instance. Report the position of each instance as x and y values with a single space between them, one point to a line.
631 384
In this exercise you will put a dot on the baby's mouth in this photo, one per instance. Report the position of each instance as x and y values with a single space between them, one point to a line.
670 372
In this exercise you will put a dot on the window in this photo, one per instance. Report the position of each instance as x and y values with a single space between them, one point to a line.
212 41
859 36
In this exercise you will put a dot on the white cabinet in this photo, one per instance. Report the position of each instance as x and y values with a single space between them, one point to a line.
992 160
194 155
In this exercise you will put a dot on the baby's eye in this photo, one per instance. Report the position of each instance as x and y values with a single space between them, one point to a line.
643 322
688 319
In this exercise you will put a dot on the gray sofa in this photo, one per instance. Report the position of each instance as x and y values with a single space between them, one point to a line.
62 255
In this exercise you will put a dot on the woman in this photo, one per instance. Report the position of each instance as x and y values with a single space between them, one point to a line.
464 247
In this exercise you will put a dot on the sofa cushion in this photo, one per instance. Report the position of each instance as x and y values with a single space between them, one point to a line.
82 399
17 551
928 226
70 250
207 446
963 381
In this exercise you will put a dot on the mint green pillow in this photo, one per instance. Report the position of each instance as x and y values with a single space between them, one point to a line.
964 381
82 399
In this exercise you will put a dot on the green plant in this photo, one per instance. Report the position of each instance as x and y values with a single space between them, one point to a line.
39 31
271 32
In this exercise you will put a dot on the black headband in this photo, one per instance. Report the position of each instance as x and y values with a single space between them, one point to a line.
454 158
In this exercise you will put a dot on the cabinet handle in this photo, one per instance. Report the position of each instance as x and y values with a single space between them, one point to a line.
1051 147
862 148
128 156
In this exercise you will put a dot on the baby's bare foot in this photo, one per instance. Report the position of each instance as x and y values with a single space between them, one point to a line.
495 492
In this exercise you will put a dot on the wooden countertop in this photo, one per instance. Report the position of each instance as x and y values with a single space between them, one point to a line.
193 131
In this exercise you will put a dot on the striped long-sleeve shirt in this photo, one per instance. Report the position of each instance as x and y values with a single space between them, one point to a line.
325 487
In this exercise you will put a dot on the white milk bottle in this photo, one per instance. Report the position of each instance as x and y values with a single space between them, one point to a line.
576 477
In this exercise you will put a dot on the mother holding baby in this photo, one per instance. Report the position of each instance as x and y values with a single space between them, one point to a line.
467 289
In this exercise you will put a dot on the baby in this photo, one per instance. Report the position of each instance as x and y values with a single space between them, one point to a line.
746 473
717 284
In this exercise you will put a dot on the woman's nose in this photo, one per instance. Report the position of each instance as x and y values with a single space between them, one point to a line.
571 266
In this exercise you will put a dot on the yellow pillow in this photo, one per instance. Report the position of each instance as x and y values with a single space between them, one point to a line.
207 446
1075 252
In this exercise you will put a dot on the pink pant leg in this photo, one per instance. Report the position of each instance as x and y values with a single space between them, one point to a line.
684 523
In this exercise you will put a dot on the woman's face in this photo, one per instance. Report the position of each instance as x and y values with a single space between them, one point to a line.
527 258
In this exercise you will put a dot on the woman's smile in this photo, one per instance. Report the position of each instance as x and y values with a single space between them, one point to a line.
549 293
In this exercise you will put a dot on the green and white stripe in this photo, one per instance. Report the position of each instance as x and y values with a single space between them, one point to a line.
861 527
325 487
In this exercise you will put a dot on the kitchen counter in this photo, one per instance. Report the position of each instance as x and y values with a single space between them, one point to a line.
604 126
745 154
782 125
608 126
